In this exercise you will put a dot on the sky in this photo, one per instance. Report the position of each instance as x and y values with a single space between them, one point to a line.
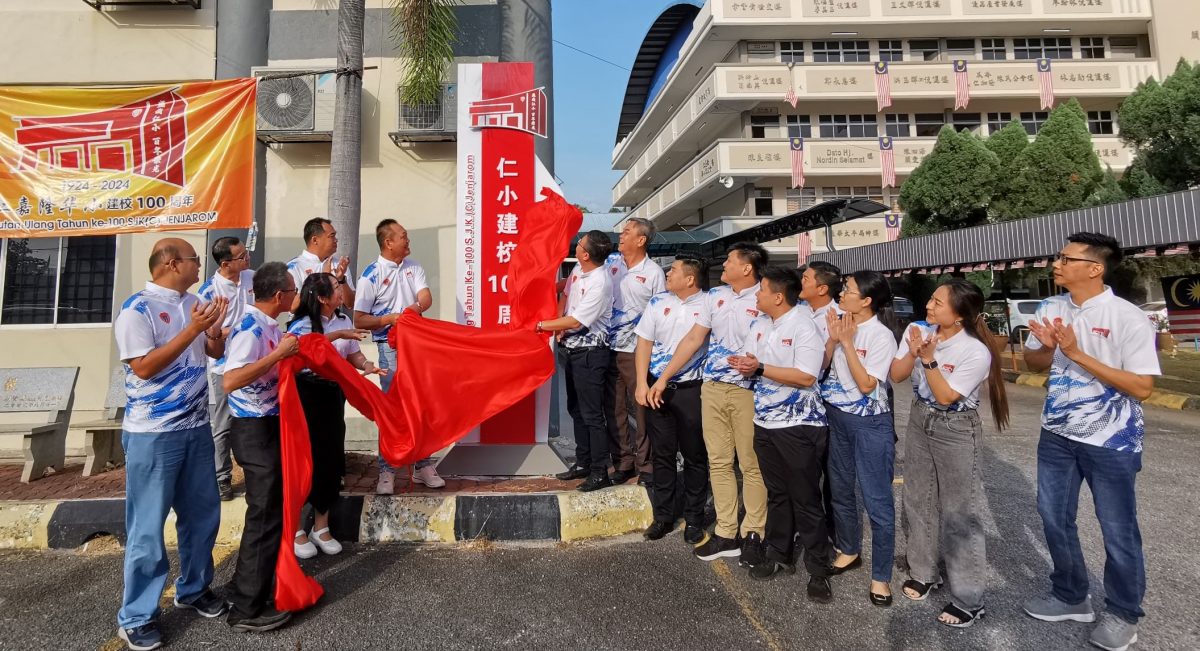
588 92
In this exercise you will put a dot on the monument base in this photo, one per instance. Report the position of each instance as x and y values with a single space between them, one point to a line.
468 460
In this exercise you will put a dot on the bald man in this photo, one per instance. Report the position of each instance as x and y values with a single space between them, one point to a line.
164 337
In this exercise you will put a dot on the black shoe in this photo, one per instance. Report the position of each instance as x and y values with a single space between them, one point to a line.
225 490
268 620
752 551
881 600
594 482
658 529
645 479
693 535
622 476
819 589
853 565
574 472
207 604
769 569
716 547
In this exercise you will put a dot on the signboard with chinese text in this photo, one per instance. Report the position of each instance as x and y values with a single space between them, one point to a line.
98 161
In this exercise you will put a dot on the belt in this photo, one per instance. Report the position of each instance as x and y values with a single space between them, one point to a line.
687 384
580 349
945 412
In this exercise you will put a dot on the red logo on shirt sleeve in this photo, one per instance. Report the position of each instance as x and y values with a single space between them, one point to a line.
752 312
641 279
759 337
666 311
862 352
720 302
166 318
386 281
786 342
614 270
949 368
1103 332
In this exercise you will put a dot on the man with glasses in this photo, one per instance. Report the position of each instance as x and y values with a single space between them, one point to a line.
320 254
167 440
1102 361
255 348
234 282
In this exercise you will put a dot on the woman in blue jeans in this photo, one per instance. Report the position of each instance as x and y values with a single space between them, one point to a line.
862 444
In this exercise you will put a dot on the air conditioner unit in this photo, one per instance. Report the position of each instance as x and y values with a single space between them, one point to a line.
294 105
435 122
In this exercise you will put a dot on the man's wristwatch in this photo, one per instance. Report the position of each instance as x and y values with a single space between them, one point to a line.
929 365
341 281
758 372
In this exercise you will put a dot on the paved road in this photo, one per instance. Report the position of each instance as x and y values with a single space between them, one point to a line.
629 594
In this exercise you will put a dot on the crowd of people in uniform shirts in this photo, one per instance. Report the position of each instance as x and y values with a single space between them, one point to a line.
771 393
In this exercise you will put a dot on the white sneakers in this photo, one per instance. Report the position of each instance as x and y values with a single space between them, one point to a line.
309 549
387 482
428 476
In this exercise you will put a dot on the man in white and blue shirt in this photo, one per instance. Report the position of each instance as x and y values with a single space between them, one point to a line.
233 281
583 354
785 352
727 398
320 254
253 351
635 278
673 418
164 338
388 286
1102 361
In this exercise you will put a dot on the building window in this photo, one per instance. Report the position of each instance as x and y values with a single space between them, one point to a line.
65 280
997 121
929 124
1091 47
925 49
960 48
799 125
764 126
968 121
897 125
849 126
791 51
1123 47
1042 48
762 202
801 199
841 51
1033 121
891 50
874 193
993 49
1100 123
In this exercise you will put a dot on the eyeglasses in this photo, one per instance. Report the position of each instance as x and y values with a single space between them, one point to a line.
288 291
846 292
240 258
1058 257
194 258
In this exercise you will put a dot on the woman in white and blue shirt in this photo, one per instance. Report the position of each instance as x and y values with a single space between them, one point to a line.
862 445
949 361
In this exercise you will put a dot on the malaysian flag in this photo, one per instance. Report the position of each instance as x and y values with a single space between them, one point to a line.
796 144
887 161
791 97
1046 83
803 248
883 86
1182 296
962 84
1017 264
891 222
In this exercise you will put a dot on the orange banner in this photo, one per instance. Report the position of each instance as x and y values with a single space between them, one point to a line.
98 161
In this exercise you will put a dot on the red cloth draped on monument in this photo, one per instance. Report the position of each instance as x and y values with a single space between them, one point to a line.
449 379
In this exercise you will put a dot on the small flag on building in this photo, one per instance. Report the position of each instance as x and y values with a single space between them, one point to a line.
887 161
791 97
1046 83
1178 249
803 248
1041 263
962 84
1182 296
1017 264
883 86
796 144
999 266
891 222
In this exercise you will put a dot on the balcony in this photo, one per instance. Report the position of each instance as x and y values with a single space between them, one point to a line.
777 12
750 161
732 88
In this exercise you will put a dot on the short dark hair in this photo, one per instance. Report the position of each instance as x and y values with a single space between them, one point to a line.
382 229
645 227
829 275
269 279
598 245
1104 247
693 267
752 254
314 227
783 280
221 247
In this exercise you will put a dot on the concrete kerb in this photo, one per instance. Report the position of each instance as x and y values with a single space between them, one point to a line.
549 517
1159 398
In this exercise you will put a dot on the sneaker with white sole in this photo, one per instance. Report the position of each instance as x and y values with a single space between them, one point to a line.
141 638
330 547
1049 608
1114 633
387 482
428 475
306 549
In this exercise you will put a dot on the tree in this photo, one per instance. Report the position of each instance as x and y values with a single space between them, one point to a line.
1162 122
1008 143
953 185
1108 190
426 31
1060 170
345 157
1138 182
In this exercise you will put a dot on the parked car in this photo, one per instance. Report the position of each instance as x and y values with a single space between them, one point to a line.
1013 321
1156 311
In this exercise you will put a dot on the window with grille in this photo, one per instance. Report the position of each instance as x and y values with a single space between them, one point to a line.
897 125
925 49
841 51
1124 47
1100 123
929 124
968 121
799 125
763 199
65 280
791 51
801 199
993 49
874 193
848 126
891 50
1033 121
1091 47
960 48
1042 48
997 121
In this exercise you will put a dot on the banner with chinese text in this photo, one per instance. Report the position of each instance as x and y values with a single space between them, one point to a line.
98 161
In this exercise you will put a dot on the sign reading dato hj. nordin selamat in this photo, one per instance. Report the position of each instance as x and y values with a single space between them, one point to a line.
98 161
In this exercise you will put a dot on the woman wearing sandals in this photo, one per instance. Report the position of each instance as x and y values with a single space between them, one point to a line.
949 360
324 404
862 439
